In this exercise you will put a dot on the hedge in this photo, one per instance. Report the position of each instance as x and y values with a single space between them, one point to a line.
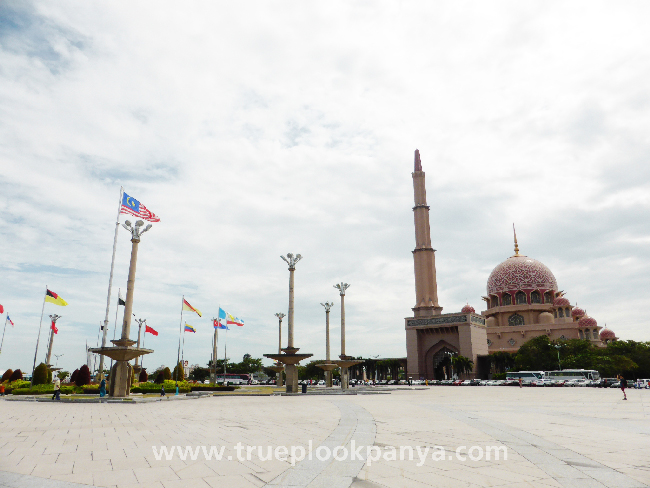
170 386
213 388
66 390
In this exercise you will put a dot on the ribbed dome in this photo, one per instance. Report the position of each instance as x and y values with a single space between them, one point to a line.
520 273
561 302
607 334
577 312
467 309
587 321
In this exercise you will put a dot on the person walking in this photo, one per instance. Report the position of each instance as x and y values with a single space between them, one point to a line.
162 391
102 388
623 385
57 390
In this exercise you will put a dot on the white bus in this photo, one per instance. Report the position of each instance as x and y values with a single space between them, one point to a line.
573 374
526 376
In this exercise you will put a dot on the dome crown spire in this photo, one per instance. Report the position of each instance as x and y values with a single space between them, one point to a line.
516 246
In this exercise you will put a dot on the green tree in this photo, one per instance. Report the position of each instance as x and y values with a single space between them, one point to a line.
248 365
179 372
62 375
167 374
462 364
40 375
199 374
538 354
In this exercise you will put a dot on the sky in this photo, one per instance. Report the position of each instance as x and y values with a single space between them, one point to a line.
258 129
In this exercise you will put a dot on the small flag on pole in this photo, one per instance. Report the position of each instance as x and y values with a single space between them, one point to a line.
219 325
9 320
56 331
2 309
150 330
52 297
189 328
190 308
120 300
131 206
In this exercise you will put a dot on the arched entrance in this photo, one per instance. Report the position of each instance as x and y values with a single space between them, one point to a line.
438 360
442 369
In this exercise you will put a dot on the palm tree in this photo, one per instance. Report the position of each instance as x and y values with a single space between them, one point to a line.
462 364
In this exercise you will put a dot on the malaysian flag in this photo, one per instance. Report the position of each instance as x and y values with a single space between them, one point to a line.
131 206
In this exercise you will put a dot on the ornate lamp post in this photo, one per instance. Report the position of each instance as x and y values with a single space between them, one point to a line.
277 367
290 359
328 366
346 361
137 367
54 318
123 351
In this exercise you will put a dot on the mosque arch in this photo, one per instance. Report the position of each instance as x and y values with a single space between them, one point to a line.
535 297
548 298
507 299
520 298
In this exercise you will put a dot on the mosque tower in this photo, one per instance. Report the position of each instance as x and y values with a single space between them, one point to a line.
424 257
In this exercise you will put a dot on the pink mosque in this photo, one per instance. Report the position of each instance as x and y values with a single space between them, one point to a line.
523 301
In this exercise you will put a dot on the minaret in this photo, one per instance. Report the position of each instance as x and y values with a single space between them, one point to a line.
426 287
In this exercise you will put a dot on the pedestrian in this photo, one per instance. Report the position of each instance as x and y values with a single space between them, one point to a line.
520 382
162 391
623 385
2 389
57 390
102 388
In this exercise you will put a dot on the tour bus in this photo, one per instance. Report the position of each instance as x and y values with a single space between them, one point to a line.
573 374
526 376
234 378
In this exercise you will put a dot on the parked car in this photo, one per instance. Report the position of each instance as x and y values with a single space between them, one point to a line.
607 382
321 383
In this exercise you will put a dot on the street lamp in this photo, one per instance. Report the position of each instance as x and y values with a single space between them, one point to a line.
341 287
291 260
57 359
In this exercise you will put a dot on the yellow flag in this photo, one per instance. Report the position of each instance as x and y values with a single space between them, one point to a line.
52 297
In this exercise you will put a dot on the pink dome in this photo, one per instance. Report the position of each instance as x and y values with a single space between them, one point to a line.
467 309
520 273
587 321
577 312
561 302
607 334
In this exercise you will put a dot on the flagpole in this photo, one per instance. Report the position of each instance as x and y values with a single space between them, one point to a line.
115 327
3 332
183 349
110 280
180 328
39 337
143 338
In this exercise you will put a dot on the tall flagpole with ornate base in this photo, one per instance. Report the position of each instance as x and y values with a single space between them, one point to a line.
110 285
39 337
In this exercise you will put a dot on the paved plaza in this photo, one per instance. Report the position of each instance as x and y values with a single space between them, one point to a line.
555 437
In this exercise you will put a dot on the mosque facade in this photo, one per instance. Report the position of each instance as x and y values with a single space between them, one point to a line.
523 301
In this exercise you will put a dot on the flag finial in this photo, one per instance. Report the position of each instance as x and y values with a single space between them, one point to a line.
516 246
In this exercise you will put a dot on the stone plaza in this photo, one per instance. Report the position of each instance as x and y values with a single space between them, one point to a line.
553 437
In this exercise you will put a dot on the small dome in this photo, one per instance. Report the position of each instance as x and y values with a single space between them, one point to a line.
607 334
561 302
577 312
545 318
587 321
520 273
468 309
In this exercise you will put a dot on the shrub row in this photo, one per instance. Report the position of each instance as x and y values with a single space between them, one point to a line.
213 388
